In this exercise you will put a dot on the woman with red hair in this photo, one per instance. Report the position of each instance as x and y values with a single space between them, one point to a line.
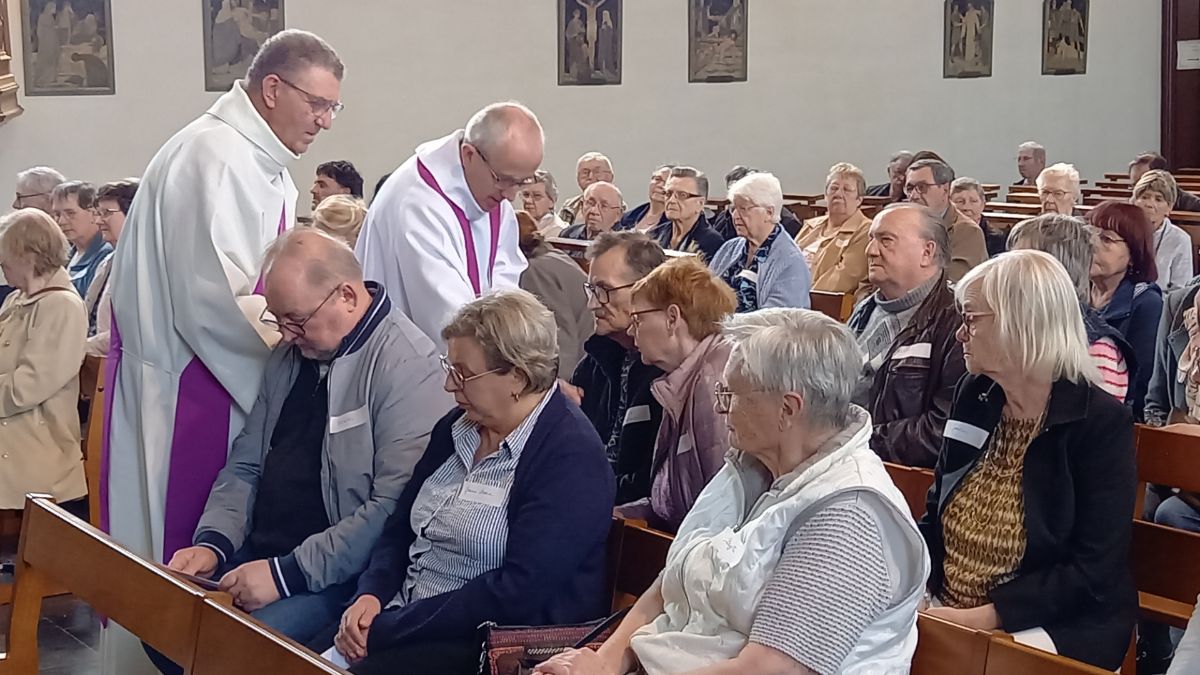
1124 291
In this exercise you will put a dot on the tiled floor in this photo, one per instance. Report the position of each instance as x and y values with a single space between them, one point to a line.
68 637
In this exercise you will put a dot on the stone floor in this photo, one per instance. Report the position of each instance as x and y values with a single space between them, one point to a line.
68 637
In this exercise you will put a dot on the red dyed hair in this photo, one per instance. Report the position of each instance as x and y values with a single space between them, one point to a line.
1131 223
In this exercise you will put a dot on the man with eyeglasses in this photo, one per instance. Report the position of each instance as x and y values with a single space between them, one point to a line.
592 167
611 383
187 291
1058 190
348 400
928 183
34 186
443 232
602 210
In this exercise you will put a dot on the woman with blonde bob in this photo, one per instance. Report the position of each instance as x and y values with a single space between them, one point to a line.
1155 193
43 333
341 217
835 245
676 324
1028 519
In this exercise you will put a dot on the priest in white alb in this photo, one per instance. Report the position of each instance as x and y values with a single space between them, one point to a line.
188 344
441 232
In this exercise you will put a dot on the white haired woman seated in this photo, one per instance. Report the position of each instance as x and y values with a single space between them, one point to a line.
1028 518
800 555
1058 189
762 264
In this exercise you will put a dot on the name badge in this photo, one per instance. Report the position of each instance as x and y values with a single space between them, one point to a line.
686 444
752 277
967 433
482 493
354 418
638 413
920 350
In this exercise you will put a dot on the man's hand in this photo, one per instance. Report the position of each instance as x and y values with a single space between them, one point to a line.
198 561
251 585
351 640
574 394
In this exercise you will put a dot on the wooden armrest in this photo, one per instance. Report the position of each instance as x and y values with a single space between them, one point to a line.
1164 610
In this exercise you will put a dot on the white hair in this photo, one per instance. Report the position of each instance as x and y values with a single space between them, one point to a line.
39 180
1065 170
798 350
492 125
761 189
1037 148
1038 315
594 157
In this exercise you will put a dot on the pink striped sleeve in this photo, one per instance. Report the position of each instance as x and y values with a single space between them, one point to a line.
1112 367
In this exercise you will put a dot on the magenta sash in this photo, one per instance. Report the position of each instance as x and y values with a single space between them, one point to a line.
468 235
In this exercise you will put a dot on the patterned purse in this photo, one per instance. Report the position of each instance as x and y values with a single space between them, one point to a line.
517 650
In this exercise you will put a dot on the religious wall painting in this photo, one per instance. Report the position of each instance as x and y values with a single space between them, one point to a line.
67 47
717 40
968 38
589 42
1065 36
233 32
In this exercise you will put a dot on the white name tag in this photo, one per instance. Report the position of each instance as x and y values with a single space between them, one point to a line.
638 413
967 433
752 277
354 418
920 350
482 493
686 444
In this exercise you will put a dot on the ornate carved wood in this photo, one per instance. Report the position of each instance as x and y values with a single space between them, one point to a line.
9 108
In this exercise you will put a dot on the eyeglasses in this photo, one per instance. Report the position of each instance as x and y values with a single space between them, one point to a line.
919 188
456 377
603 294
970 320
1057 194
722 399
294 327
680 195
602 174
745 210
504 182
635 318
595 203
319 105
1109 238
105 213
21 197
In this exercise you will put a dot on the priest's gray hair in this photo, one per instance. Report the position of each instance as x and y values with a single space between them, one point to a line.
782 350
326 261
39 180
498 122
288 53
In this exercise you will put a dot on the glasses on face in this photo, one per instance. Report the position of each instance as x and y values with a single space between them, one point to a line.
1110 238
602 294
745 211
22 198
1057 194
294 327
595 203
918 188
635 318
970 320
681 195
722 399
320 106
847 190
504 182
457 378
105 214
600 174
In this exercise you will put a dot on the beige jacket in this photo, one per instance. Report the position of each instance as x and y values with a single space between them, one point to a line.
967 245
42 340
837 261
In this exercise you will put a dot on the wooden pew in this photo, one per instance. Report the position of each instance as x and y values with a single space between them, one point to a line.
1008 657
1024 198
94 440
57 549
944 647
837 306
914 484
642 556
1168 456
231 643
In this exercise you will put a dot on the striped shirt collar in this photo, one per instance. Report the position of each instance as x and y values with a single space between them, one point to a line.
380 307
466 434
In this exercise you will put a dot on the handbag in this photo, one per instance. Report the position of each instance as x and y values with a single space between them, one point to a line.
517 650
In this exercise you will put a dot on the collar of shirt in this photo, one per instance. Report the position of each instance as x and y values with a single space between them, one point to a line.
380 307
467 437
443 158
88 256
235 109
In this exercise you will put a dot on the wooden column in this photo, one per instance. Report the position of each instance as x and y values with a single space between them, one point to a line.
9 108
1180 88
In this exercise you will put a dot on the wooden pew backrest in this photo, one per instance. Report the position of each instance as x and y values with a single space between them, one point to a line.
1168 456
944 647
643 557
231 643
914 484
837 306
1006 657
1166 571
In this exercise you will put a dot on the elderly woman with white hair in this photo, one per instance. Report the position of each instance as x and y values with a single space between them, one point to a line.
835 244
1058 189
1156 192
1028 518
800 555
506 516
762 264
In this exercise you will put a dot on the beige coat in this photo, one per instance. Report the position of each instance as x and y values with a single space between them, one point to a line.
838 261
967 245
42 339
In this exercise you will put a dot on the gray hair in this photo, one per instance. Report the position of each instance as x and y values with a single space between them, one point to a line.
1038 150
327 261
932 228
84 192
695 174
761 189
494 123
1067 238
516 332
1067 171
782 350
1157 180
942 173
288 52
963 184
593 157
39 180
642 254
848 170
547 179
901 156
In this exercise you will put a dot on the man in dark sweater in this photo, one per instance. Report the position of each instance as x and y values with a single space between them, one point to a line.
612 384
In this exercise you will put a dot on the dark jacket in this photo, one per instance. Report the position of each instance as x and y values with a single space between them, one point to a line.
599 375
702 238
723 224
911 396
1079 479
559 514
632 216
996 241
1187 201
1134 310
1165 393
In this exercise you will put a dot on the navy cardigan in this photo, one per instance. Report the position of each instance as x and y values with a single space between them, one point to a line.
1135 310
559 515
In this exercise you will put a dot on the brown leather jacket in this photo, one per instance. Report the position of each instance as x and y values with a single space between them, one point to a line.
914 388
